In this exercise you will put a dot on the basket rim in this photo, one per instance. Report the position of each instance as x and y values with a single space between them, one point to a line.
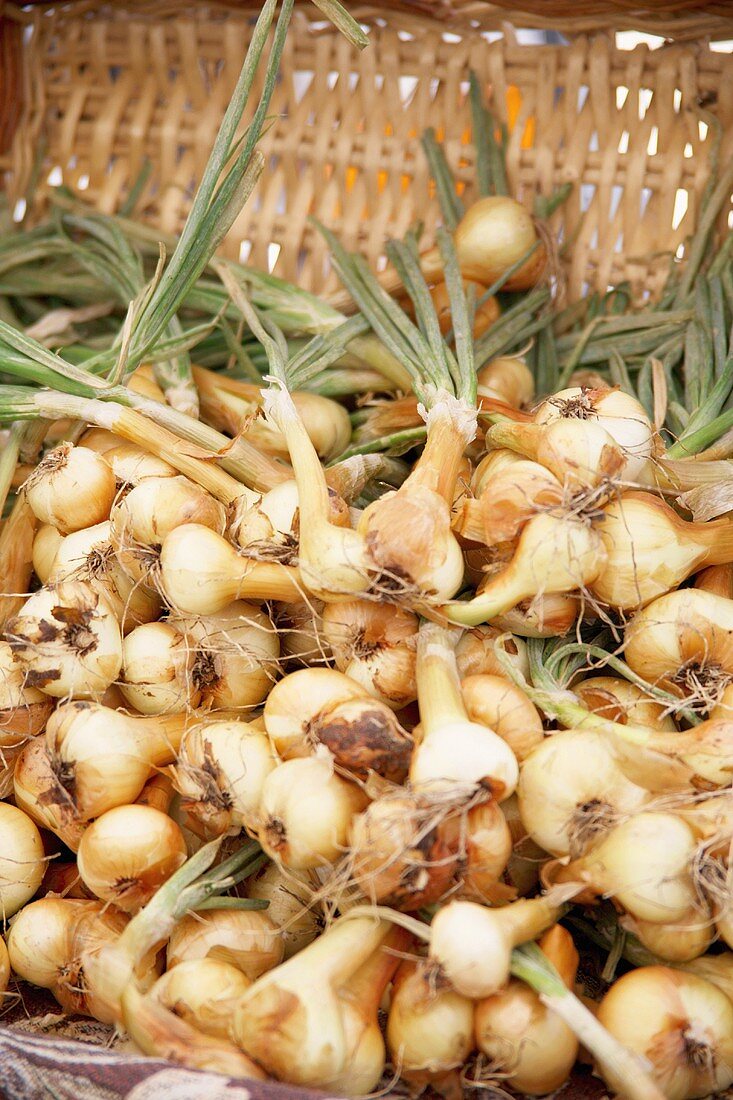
675 20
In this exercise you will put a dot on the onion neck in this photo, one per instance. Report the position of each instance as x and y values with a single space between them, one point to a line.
368 984
438 683
338 954
717 537
451 425
528 918
159 736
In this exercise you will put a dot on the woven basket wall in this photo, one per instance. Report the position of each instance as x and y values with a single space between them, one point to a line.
105 86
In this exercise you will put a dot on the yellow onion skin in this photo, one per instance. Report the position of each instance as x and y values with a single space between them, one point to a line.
247 939
204 992
22 859
681 1023
68 640
128 852
71 488
429 1027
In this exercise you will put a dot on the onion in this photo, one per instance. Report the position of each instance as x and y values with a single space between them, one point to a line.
130 464
71 488
493 234
404 851
201 573
221 772
429 1028
101 758
623 702
456 757
291 906
505 501
23 709
678 941
571 792
301 633
485 852
38 793
682 1024
555 553
88 556
292 1021
245 938
68 640
521 1037
155 507
495 702
507 379
22 859
476 653
204 992
375 645
45 545
649 550
644 863
472 945
306 812
128 852
682 641
235 655
157 665
316 706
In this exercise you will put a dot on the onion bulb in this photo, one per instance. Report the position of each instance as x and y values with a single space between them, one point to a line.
683 642
375 645
157 666
221 772
521 1036
204 992
245 938
235 655
22 859
306 812
319 706
24 710
495 702
68 640
571 792
89 557
429 1027
476 653
508 379
404 851
455 757
72 487
39 794
101 758
201 573
45 545
621 701
291 1021
555 554
155 507
292 907
649 550
645 864
682 1025
472 945
506 502
128 852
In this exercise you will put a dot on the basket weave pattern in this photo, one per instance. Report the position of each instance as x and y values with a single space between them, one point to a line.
111 87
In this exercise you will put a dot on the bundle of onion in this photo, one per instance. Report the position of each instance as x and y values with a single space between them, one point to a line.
319 706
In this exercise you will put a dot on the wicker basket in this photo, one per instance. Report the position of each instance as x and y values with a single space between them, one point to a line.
100 88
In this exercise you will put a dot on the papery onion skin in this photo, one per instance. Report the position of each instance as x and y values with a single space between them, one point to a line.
203 992
247 939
